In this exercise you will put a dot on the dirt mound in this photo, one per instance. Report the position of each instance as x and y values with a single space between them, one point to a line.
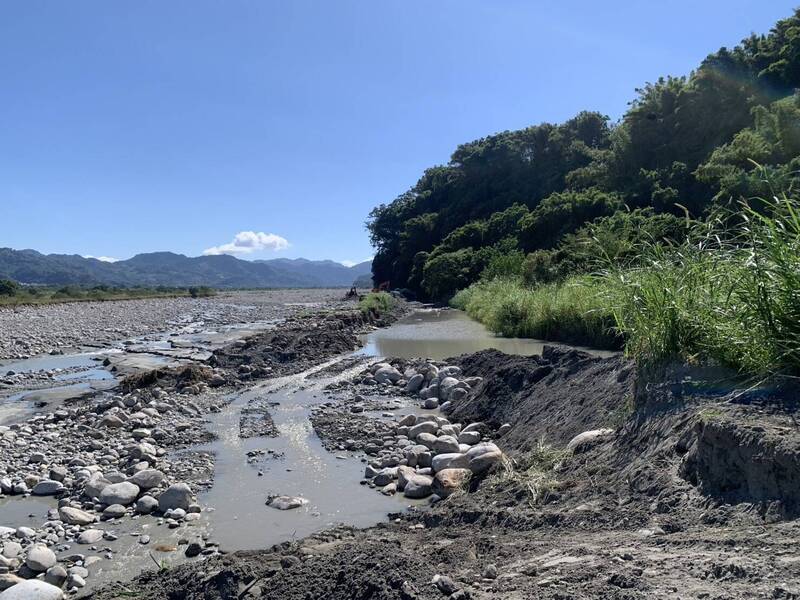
739 461
179 378
551 397
293 347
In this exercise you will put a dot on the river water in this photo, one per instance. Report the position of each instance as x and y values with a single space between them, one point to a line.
445 333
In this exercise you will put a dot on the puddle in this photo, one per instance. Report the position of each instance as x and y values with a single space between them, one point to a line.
442 333
242 521
50 362
91 374
16 511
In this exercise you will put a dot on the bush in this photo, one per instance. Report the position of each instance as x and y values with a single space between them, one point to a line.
446 273
202 291
504 264
8 287
376 303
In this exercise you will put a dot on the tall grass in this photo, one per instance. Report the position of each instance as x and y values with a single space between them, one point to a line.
729 294
568 312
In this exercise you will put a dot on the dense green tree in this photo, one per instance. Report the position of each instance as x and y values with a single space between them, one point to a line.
8 287
562 213
684 144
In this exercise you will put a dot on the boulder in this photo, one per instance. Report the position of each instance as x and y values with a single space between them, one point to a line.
408 421
414 384
449 481
418 486
429 427
12 549
123 493
446 444
431 403
114 511
40 558
427 439
445 385
457 394
32 589
583 440
47 487
388 374
469 437
404 473
453 460
147 479
75 516
95 485
474 427
483 456
287 502
56 575
385 476
178 495
90 536
146 504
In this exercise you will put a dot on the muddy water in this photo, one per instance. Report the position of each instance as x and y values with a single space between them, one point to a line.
87 362
17 511
443 333
298 466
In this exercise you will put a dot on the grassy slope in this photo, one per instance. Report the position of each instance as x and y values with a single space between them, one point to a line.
729 296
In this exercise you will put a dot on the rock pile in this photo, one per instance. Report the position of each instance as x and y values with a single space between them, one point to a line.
103 461
427 455
438 386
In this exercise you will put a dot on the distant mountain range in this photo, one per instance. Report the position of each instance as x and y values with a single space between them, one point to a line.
170 269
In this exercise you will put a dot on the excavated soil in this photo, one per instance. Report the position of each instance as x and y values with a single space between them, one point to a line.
693 495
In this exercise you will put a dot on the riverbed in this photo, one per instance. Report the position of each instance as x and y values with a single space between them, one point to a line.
247 471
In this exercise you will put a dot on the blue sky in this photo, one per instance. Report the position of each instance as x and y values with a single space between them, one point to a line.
136 126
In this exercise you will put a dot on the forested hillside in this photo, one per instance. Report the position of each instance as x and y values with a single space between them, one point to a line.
524 203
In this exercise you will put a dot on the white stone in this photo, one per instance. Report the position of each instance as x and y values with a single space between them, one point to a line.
587 437
32 589
119 493
40 558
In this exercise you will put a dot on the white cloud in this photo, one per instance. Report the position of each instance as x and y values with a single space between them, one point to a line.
102 258
246 242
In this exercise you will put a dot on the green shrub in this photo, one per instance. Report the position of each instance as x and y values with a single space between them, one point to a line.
202 291
376 303
8 287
